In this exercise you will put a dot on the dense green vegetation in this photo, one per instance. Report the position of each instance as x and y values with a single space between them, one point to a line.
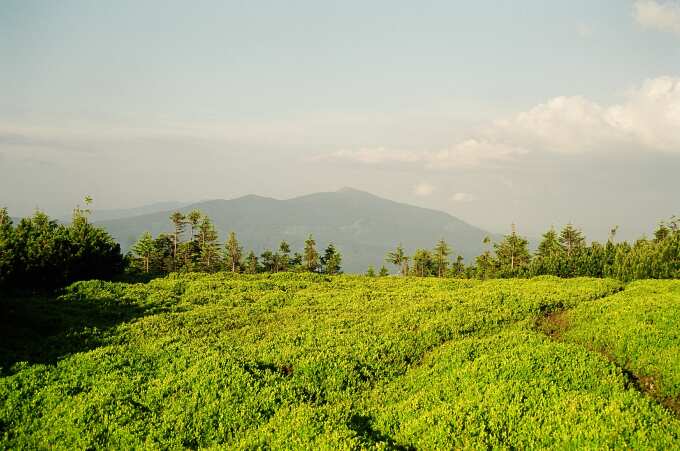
639 329
40 253
308 360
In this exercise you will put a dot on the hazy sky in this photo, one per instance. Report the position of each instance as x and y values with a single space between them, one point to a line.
528 111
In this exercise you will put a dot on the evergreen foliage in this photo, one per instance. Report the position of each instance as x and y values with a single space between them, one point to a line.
41 253
331 260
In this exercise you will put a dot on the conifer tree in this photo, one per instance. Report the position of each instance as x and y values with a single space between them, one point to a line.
399 258
440 257
370 272
144 250
662 232
513 252
331 260
421 262
311 256
233 253
549 245
458 267
281 259
193 219
251 263
207 245
296 261
7 253
179 221
268 260
571 239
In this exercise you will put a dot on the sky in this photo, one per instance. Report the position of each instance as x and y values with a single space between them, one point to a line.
525 111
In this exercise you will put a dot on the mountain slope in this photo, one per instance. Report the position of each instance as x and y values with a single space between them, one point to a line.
363 226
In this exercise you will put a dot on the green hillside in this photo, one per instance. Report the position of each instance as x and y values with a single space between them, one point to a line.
363 226
305 361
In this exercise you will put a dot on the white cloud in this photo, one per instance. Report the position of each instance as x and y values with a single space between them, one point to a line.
563 124
662 16
462 197
423 189
647 120
651 115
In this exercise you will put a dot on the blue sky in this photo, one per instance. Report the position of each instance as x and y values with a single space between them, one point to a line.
450 105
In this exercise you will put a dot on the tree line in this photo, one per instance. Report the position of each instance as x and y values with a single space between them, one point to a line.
193 245
39 252
563 254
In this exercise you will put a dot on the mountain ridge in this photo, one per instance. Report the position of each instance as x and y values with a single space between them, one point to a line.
362 225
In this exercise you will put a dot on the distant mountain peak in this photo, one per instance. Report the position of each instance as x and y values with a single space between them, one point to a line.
350 190
253 197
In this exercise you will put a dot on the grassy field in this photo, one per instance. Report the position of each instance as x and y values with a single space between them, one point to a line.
307 361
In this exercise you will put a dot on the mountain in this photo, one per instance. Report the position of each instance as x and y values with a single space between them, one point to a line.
113 214
363 226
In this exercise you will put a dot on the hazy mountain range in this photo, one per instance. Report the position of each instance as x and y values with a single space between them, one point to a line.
363 226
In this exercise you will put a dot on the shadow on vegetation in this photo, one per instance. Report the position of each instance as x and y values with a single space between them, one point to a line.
40 328
361 424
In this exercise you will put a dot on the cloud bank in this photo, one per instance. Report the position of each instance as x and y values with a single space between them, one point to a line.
647 121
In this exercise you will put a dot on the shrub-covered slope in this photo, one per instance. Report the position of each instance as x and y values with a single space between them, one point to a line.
306 361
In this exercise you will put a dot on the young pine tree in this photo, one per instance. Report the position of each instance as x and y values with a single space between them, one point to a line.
193 218
458 267
513 252
144 251
283 256
440 257
268 261
7 264
207 245
251 263
549 245
571 239
422 260
485 264
233 253
331 260
399 259
310 256
179 221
